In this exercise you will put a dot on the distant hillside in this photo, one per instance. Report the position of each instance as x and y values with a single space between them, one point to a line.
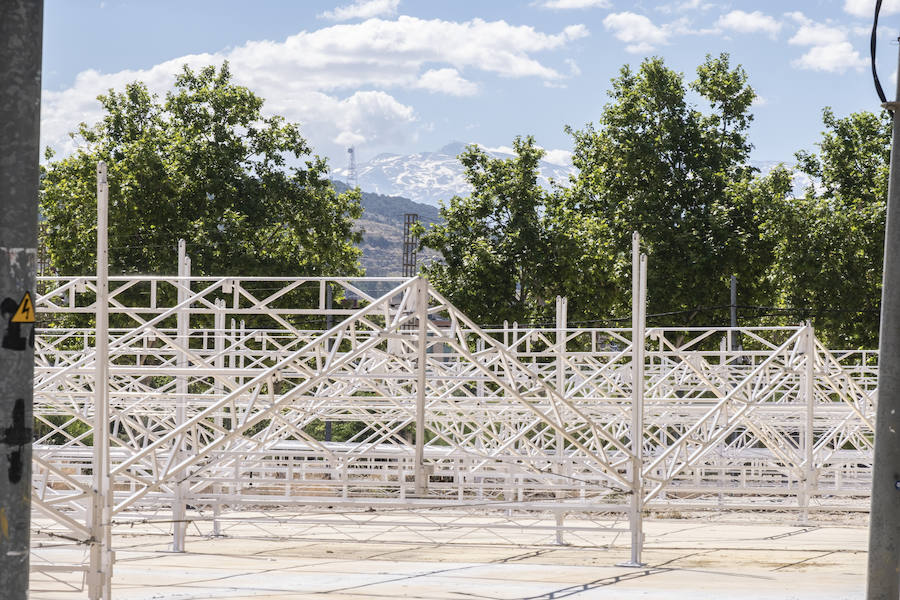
382 219
382 225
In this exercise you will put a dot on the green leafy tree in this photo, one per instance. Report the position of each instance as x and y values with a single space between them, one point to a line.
510 247
203 164
830 243
679 174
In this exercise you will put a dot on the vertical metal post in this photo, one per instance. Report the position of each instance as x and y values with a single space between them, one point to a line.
561 326
884 525
329 323
219 389
737 344
421 292
809 396
179 526
638 315
21 29
100 575
733 302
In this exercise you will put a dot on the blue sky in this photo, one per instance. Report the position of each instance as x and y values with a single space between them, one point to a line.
412 75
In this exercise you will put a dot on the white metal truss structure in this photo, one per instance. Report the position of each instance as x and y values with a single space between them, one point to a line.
219 390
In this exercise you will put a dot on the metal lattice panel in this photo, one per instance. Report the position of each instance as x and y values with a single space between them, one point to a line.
217 387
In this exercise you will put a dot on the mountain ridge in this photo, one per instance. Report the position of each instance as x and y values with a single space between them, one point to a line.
427 178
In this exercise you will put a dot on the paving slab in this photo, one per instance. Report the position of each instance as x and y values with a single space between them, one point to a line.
685 558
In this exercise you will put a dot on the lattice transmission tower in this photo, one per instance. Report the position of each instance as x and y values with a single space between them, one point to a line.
352 175
410 242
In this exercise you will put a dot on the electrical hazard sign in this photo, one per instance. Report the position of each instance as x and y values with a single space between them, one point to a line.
25 312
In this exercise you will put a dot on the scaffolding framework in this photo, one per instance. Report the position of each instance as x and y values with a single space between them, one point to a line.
217 388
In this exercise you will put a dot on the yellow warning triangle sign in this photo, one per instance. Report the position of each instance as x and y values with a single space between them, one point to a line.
25 312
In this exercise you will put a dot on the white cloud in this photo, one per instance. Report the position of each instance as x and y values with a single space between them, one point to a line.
744 22
835 58
694 5
637 31
558 157
830 49
447 81
303 77
685 6
369 117
362 9
817 34
561 158
570 4
866 8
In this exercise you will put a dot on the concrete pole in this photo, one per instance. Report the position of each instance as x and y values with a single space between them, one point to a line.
21 29
421 292
884 521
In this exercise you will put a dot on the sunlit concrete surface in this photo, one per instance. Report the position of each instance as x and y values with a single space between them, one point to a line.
727 556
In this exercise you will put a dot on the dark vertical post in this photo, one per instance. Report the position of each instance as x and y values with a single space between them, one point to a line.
884 521
734 301
21 32
735 336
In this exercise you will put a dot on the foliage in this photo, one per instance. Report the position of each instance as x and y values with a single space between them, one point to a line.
510 246
830 244
207 166
679 175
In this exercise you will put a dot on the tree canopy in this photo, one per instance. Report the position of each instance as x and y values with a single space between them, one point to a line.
511 246
656 164
830 243
202 164
679 173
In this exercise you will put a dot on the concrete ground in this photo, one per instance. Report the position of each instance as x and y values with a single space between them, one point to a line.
699 558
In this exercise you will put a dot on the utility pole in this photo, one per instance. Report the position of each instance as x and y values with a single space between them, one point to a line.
884 520
21 33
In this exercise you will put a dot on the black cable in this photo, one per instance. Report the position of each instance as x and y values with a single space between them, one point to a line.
872 43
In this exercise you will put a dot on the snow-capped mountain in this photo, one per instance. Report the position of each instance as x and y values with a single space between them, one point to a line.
429 177
799 182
